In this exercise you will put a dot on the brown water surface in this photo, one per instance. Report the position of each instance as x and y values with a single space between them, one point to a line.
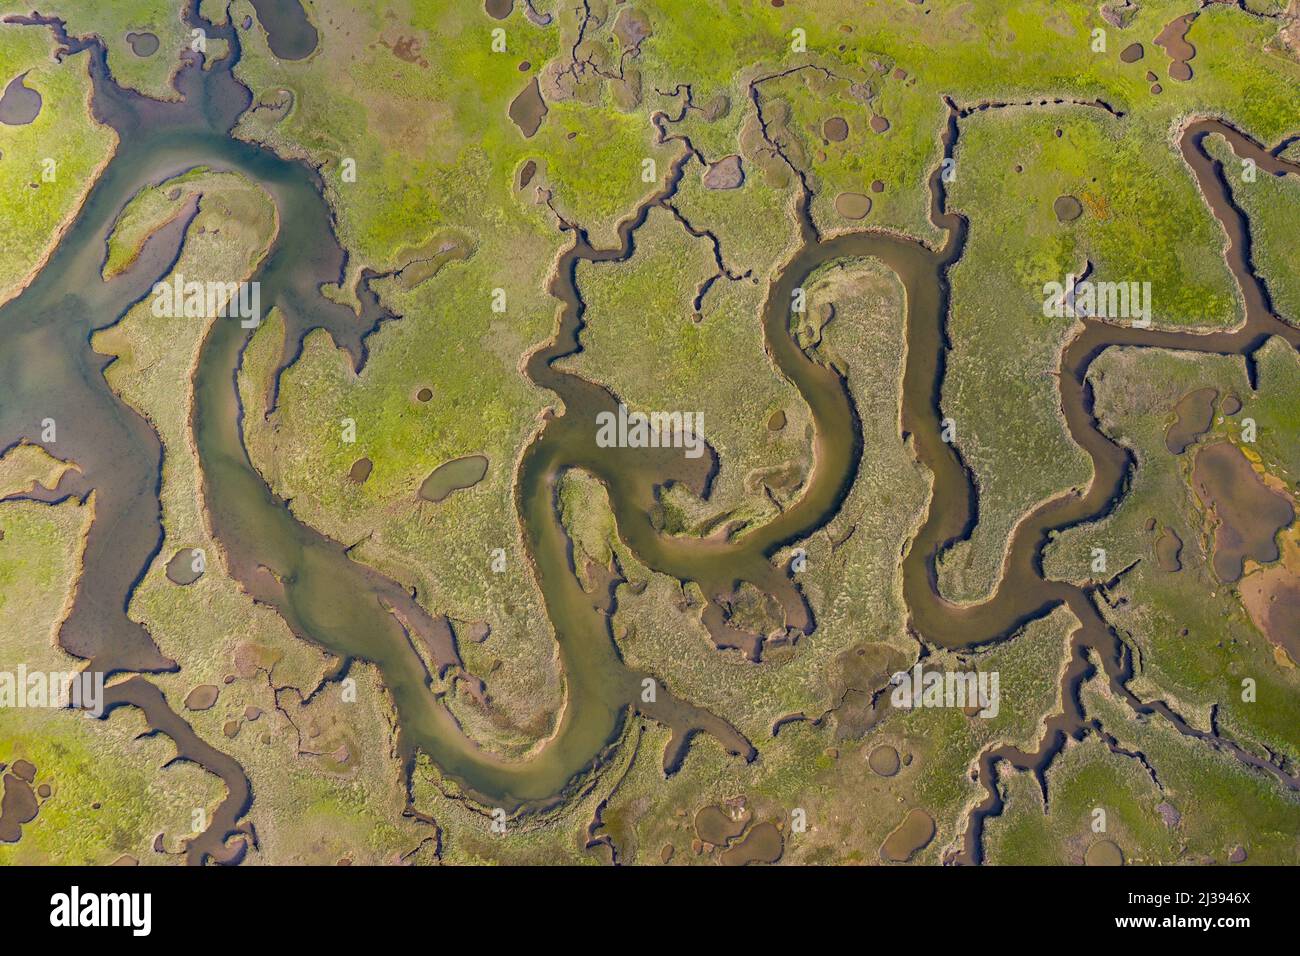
20 104
142 43
528 109
762 844
1193 416
454 475
911 836
1248 514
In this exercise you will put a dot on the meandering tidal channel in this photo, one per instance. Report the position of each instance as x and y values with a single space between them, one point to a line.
49 371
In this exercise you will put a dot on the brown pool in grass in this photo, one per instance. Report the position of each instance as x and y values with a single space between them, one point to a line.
1193 416
883 761
1249 513
1173 40
183 568
526 173
762 844
714 825
909 837
1168 549
852 205
528 109
20 104
360 471
1103 853
455 475
143 43
1067 208
17 807
202 697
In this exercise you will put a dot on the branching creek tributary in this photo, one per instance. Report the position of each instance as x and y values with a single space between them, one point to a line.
48 370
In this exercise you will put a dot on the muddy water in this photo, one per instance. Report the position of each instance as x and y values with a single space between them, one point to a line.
762 844
1193 416
911 836
183 568
1248 513
1173 40
1168 549
20 104
528 109
289 33
1067 208
1022 594
360 471
1103 853
355 612
455 475
884 761
18 806
143 44
717 826
1272 597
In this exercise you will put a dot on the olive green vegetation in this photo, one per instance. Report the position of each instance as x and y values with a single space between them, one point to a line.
151 209
479 405
415 96
151 75
48 165
1142 218
645 341
850 577
113 790
848 808
25 465
326 786
1136 185
1195 642
1217 804
1223 803
109 791
852 584
1272 205
1143 221
1082 780
1276 409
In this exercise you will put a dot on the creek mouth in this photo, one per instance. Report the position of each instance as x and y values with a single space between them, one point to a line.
359 614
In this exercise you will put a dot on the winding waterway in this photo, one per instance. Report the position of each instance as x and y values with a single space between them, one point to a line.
358 613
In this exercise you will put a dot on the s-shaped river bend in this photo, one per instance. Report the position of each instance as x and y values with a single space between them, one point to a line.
358 613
